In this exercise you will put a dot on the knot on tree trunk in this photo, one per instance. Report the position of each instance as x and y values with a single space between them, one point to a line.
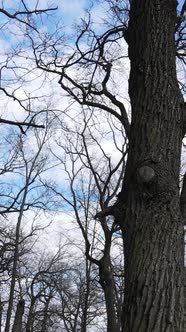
145 174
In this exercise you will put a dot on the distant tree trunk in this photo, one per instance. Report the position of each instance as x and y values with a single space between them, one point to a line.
17 327
1 313
107 283
45 317
29 323
15 262
86 297
13 280
152 225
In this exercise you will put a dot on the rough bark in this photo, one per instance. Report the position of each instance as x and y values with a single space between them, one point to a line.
183 200
152 226
185 300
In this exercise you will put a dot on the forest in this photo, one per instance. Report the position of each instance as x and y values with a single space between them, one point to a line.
92 166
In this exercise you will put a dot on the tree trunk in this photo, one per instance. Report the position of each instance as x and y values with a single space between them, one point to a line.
107 283
16 255
185 300
1 314
152 226
13 280
15 262
17 327
86 296
46 315
29 323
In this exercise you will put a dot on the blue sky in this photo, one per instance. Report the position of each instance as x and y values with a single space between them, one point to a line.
180 3
68 10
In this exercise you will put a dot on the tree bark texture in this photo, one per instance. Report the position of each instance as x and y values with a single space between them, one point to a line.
152 225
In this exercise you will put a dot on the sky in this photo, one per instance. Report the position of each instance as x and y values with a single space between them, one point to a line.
69 11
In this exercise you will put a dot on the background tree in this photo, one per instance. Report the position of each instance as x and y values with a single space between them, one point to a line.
17 19
33 167
21 192
93 175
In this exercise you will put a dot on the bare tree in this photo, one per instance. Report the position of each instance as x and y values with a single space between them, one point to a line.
17 20
55 290
91 172
40 290
32 167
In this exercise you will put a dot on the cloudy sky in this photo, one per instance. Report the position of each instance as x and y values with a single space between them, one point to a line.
69 11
